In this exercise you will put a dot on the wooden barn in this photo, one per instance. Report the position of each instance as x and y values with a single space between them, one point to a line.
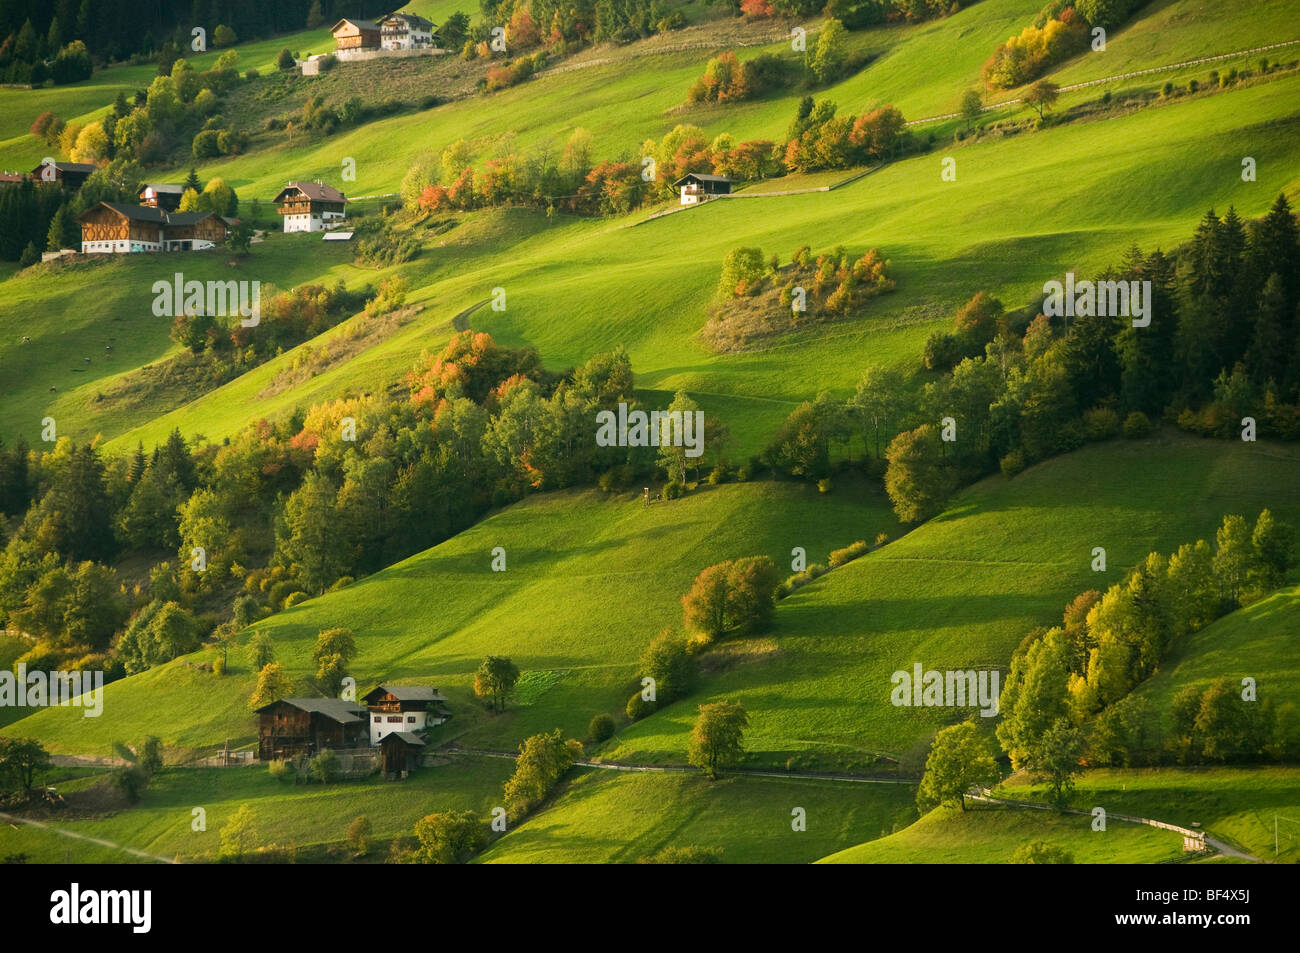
310 206
112 228
696 187
355 35
71 174
402 751
293 726
404 708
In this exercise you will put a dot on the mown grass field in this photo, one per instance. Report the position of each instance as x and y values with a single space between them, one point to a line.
570 557
1261 641
985 834
1236 804
612 817
1023 209
963 590
304 816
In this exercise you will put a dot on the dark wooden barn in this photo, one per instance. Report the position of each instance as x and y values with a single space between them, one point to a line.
293 726
401 753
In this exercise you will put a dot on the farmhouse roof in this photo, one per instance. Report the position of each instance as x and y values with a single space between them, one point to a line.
412 21
314 191
359 24
166 187
703 177
409 693
186 218
344 712
408 737
86 167
140 213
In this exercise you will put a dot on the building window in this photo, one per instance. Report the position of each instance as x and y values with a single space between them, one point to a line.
410 719
378 719
394 719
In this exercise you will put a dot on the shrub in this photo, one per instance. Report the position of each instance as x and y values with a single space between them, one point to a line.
251 74
1013 463
1040 852
206 144
881 539
1101 423
743 473
718 474
674 490
285 60
359 836
638 707
278 769
219 666
601 727
824 485
325 767
685 855
1136 425
328 62
841 556
295 598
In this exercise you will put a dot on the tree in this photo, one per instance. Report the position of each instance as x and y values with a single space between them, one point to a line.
743 270
311 540
63 230
716 739
325 767
454 30
358 836
22 760
669 664
601 728
223 36
495 680
31 256
1040 852
285 61
1042 96
960 757
972 107
917 479
1226 724
832 45
877 402
1035 696
237 836
543 760
1055 758
260 651
449 837
240 240
1273 542
1234 557
272 685
334 652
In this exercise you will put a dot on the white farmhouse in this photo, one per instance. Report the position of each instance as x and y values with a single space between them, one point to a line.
310 206
409 709
405 31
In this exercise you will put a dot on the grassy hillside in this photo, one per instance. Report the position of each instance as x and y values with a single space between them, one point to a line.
283 814
1261 641
1111 183
612 817
962 591
991 835
569 557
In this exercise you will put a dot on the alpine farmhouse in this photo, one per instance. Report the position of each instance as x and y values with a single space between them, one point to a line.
310 206
394 721
110 228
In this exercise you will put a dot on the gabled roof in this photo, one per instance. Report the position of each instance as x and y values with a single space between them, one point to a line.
314 191
703 177
86 167
412 21
359 24
408 693
147 213
344 712
187 218
164 187
409 737
139 213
